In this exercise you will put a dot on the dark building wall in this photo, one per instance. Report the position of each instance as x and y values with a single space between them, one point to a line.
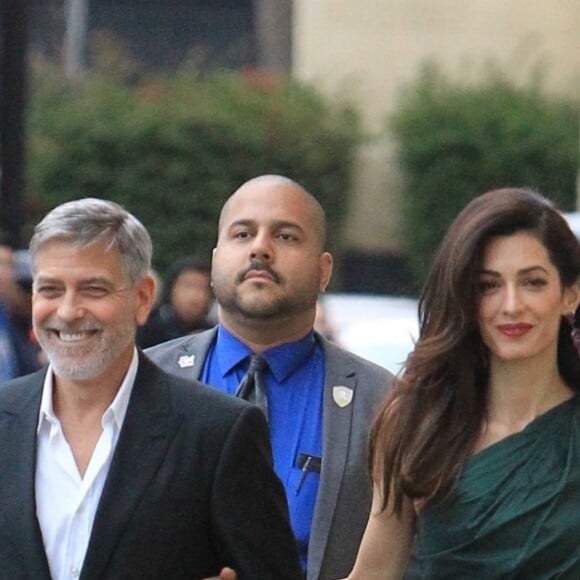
375 273
158 34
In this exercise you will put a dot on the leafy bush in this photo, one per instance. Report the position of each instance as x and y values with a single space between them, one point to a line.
456 142
172 149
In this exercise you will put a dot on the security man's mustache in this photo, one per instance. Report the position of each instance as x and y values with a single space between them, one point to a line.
258 266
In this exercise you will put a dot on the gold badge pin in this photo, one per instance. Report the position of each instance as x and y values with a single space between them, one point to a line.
342 396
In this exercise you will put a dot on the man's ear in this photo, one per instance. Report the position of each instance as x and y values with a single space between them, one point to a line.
145 299
326 264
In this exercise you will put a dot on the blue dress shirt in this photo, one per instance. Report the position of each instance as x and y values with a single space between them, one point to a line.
294 382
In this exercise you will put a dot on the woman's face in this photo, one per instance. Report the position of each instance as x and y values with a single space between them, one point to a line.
521 299
191 296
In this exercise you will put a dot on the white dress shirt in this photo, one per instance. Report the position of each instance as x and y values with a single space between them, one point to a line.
66 503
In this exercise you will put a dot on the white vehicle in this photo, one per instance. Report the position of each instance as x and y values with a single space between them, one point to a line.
382 329
573 219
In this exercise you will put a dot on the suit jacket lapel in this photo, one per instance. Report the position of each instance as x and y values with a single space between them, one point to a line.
189 357
337 421
150 425
18 423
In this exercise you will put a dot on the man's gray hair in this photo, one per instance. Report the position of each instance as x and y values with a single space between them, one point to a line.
88 221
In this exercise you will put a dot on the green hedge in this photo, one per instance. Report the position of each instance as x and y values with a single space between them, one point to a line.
457 141
172 148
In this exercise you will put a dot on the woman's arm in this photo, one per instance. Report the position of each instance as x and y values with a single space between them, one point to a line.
386 543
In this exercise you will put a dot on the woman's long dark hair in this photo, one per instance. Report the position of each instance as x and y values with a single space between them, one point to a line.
428 425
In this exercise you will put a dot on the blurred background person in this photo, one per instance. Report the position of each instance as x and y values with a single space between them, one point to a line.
186 302
575 322
19 351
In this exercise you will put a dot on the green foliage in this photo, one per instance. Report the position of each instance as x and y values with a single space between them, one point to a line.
172 149
456 142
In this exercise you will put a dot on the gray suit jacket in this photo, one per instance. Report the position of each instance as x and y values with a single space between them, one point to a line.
345 491
180 500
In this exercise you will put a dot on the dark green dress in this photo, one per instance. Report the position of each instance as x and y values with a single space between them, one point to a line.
515 510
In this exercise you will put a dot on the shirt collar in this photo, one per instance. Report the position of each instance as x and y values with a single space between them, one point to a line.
283 359
116 410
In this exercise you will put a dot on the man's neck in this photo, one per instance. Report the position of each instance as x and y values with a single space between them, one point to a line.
260 337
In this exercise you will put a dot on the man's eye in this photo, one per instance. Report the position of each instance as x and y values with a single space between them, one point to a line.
49 292
95 291
286 236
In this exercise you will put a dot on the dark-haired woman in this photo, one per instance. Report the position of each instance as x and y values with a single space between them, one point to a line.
186 301
475 455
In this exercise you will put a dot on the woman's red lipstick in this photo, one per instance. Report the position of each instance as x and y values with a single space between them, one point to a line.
514 330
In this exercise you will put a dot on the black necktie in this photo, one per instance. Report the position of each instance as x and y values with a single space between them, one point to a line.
253 387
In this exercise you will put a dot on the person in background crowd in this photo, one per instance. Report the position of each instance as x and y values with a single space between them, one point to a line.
477 446
19 351
185 303
110 467
269 266
575 322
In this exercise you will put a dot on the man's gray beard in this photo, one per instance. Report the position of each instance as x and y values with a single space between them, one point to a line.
71 370
88 369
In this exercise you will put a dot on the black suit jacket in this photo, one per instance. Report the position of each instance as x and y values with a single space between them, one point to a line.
190 488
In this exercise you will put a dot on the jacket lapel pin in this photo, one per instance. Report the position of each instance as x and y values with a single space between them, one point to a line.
186 361
342 396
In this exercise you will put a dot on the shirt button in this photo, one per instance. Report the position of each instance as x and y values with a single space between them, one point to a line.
75 572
